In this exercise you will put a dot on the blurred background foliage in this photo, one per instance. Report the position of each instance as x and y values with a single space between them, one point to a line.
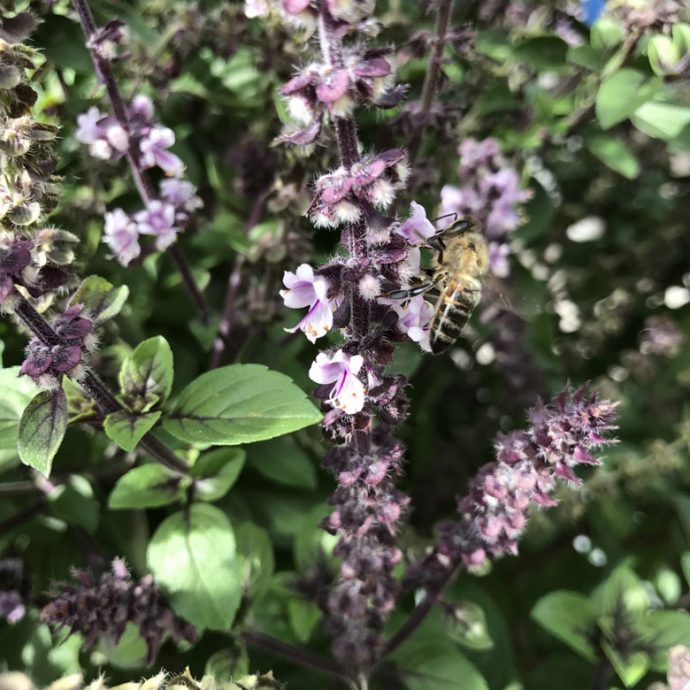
599 291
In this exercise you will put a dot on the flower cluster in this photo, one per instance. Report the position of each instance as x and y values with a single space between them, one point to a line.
341 196
46 363
103 605
346 15
147 143
29 254
490 192
15 589
109 139
322 90
163 218
529 463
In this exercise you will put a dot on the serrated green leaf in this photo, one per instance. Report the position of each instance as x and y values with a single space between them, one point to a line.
148 486
16 395
192 556
146 376
661 120
42 428
615 154
429 665
569 616
283 461
622 94
128 428
101 298
241 403
216 471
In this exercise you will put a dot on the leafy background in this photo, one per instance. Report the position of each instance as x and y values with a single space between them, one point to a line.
596 131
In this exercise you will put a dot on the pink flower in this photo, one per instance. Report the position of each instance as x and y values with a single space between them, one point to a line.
181 194
413 320
417 228
304 289
498 259
122 236
158 219
348 393
154 151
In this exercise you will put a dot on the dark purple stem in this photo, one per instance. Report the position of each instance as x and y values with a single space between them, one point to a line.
24 516
93 386
296 654
143 184
418 615
433 74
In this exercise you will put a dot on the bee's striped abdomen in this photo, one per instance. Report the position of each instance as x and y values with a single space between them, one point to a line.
453 310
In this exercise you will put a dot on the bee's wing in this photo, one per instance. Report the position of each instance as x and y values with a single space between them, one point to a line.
501 295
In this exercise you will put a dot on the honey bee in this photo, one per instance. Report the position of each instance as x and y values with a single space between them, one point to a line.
462 263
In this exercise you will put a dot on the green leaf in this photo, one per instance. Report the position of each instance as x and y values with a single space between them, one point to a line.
494 44
192 557
241 403
62 41
258 560
16 394
283 461
148 486
434 665
74 502
42 428
584 56
146 376
130 652
304 615
622 94
685 565
128 428
606 34
228 663
542 52
631 668
615 154
466 624
661 120
667 628
101 298
569 616
216 471
622 588
663 54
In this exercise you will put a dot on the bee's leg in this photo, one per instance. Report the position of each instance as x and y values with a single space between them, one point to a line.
416 290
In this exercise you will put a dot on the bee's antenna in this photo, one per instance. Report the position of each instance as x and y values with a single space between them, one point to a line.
445 215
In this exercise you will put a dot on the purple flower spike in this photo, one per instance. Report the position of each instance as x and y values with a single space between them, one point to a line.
528 465
120 600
